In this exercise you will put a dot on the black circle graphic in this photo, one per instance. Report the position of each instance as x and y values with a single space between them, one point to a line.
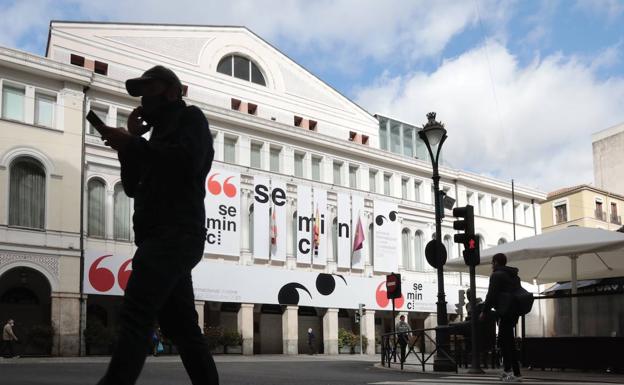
325 284
379 220
392 216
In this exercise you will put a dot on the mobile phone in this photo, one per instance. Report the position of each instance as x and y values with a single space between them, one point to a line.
95 121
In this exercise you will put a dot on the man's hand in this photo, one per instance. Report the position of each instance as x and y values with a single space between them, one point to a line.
115 137
136 124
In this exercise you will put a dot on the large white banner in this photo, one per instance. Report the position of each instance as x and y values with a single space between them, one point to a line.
320 228
278 227
222 204
304 224
359 246
262 204
386 233
344 230
227 282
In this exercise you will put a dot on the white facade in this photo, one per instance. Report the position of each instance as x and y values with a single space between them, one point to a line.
608 150
295 131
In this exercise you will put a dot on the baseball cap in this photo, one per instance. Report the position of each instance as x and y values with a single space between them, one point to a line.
136 86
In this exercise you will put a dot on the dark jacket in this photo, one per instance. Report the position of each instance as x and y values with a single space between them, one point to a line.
166 175
503 281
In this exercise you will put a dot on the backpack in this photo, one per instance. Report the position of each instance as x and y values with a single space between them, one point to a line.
519 302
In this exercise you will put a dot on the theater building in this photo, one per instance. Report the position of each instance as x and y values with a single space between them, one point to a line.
311 201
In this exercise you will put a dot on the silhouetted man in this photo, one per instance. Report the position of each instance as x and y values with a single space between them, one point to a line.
503 282
166 176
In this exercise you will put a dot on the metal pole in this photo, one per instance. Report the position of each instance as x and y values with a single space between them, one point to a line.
513 207
575 323
394 336
82 313
475 368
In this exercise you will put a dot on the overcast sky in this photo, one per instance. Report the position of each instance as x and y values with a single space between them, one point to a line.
520 85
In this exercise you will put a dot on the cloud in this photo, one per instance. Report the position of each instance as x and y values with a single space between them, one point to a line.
606 9
536 130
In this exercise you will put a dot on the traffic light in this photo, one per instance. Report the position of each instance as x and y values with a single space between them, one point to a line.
357 316
362 309
470 241
461 302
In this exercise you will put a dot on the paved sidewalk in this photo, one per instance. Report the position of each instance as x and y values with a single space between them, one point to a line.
554 375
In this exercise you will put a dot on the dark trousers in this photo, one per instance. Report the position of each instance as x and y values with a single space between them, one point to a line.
7 345
403 345
507 344
160 288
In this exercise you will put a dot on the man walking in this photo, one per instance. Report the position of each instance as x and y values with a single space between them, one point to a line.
8 339
503 282
166 177
403 329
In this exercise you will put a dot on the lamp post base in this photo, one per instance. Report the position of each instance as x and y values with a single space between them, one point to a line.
443 364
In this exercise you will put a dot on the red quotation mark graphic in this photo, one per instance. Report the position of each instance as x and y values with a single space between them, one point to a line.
382 298
215 187
102 279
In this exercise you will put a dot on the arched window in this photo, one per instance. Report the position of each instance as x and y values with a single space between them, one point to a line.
293 231
448 243
121 217
96 212
419 251
334 256
371 244
251 228
501 241
242 68
406 250
27 184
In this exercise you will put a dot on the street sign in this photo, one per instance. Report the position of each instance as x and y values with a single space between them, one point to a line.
393 286
430 253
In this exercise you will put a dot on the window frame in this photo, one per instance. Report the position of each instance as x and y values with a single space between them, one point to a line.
16 86
251 64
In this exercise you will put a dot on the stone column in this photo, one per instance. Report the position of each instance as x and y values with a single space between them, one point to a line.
290 330
246 327
199 308
66 323
368 330
430 322
330 331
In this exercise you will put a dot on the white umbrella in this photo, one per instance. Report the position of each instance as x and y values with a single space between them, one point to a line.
568 254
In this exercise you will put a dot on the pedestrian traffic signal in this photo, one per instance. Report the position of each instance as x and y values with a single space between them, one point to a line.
467 238
357 316
362 309
461 302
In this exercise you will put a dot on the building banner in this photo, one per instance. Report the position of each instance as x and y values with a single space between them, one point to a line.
279 228
386 233
261 208
304 224
228 282
344 230
359 246
320 228
222 205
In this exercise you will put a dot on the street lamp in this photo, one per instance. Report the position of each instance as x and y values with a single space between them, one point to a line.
434 135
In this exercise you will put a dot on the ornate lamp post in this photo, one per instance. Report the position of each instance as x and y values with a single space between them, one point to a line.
434 135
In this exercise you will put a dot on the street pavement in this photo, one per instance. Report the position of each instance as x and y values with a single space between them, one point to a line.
263 370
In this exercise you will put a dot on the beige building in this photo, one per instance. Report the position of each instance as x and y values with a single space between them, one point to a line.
584 206
608 150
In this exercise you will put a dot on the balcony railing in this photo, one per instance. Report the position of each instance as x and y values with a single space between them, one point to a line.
601 215
616 219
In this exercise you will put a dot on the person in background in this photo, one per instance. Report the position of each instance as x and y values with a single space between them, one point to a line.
503 282
311 345
8 339
403 330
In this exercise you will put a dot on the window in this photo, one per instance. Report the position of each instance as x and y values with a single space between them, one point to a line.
316 168
481 204
122 119
27 185
275 159
614 214
387 189
372 181
337 173
102 113
77 60
406 250
417 189
242 68
395 137
229 155
449 244
121 217
561 213
96 211
371 244
404 182
419 250
334 255
256 155
600 214
44 110
493 204
383 133
504 209
408 141
100 68
527 216
250 241
13 103
299 164
353 182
